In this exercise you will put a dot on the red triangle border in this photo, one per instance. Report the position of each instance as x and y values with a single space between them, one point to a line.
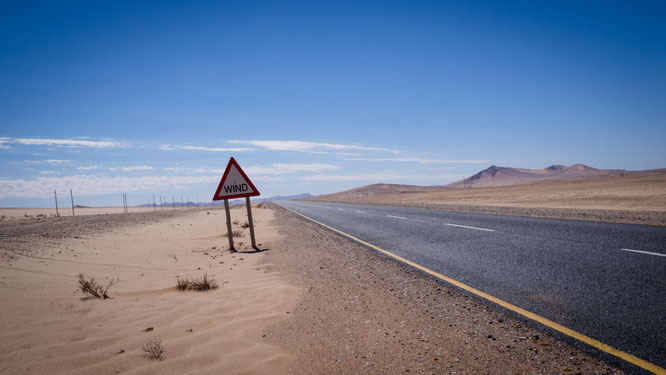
233 162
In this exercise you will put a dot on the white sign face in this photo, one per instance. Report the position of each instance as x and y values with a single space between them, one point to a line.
235 184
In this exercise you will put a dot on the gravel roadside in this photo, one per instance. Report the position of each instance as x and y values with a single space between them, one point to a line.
363 313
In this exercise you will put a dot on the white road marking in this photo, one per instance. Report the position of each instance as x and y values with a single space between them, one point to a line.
361 212
465 226
397 217
645 252
341 209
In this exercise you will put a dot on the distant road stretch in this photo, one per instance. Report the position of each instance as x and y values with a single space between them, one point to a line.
604 280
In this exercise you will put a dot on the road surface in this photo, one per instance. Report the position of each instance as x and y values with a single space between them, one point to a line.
604 280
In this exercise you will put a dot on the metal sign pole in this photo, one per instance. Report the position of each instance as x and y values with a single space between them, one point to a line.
249 219
56 201
229 234
72 195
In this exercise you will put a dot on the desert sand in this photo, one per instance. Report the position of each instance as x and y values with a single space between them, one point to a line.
47 326
311 302
631 199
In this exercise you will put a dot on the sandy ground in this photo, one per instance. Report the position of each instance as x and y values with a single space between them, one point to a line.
362 313
47 328
311 302
639 199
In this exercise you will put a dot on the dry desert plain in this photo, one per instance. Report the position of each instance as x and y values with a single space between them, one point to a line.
631 199
310 302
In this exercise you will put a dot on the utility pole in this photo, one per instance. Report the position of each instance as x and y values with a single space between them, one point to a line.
173 201
56 201
154 206
72 196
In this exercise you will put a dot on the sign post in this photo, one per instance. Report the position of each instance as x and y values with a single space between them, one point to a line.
236 184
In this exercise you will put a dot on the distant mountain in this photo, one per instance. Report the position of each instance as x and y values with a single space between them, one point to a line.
275 198
217 203
504 176
177 204
492 176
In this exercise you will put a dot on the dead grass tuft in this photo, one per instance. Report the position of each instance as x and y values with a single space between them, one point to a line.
92 288
200 285
245 225
235 233
154 350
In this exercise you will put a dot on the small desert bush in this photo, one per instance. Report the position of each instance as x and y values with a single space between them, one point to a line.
154 350
92 288
201 285
245 225
235 233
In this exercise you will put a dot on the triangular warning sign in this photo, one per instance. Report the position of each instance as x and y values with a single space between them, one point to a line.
234 183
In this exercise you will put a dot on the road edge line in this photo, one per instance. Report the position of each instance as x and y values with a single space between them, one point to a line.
520 311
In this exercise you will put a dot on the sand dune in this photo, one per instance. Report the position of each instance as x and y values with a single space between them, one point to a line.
47 328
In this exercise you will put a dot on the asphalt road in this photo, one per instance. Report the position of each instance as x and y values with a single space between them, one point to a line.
604 280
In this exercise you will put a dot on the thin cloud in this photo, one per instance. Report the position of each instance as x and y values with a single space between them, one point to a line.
284 168
194 170
210 149
421 161
380 177
133 169
42 187
272 170
49 161
59 142
88 168
301 146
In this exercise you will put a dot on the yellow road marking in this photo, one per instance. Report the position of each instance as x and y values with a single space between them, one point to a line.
530 315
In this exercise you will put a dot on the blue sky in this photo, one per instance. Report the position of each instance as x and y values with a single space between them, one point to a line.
143 98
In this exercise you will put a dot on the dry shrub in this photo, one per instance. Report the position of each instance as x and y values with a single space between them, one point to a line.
203 284
245 225
92 288
235 233
154 350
